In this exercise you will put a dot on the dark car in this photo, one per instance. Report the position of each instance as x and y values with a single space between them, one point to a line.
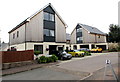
62 55
84 49
57 53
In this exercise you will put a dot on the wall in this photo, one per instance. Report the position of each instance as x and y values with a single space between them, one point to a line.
21 37
91 38
60 30
17 56
73 37
35 28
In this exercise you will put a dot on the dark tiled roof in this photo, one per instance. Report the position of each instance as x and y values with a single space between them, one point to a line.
92 29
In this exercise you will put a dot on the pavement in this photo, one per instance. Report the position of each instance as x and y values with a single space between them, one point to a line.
24 68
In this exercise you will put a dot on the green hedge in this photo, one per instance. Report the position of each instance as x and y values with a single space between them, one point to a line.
44 59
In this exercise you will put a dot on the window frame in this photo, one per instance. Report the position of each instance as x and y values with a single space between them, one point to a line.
49 32
17 34
38 46
49 16
13 35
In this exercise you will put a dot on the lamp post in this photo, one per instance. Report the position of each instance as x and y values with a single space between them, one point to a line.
25 32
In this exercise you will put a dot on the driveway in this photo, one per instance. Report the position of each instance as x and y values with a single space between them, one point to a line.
90 64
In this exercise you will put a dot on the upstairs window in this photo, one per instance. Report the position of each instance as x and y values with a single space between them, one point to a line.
13 35
48 16
99 36
52 33
48 32
79 29
79 38
17 33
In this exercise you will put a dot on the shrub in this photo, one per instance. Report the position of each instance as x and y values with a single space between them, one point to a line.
112 50
42 59
54 58
36 52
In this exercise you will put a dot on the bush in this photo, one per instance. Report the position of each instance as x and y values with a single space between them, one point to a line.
42 59
36 52
112 50
54 58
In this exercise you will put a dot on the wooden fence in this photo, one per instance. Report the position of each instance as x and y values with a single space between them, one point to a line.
17 56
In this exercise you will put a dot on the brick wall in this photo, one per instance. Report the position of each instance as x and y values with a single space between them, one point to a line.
17 56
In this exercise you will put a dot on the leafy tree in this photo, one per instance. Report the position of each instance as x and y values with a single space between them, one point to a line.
114 34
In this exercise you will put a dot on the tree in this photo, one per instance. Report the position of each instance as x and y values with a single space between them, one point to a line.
114 34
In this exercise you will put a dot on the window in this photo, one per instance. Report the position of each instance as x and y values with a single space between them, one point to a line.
99 36
48 16
38 48
79 38
79 29
17 33
52 33
13 35
48 32
51 17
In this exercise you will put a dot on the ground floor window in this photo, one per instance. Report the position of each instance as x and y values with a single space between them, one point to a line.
38 48
75 47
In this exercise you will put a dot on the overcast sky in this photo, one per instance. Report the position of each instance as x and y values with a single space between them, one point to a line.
96 13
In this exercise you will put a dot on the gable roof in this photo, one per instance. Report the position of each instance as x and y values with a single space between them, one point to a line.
29 18
91 29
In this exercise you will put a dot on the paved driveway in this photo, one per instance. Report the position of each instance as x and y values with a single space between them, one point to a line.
90 64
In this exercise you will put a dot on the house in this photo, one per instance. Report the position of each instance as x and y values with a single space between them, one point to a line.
43 31
4 46
84 36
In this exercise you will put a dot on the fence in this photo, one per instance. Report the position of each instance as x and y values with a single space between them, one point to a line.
17 56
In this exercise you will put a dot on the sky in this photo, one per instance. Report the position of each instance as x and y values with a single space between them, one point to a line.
96 13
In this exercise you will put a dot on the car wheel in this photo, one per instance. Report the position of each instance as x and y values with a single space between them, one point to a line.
76 55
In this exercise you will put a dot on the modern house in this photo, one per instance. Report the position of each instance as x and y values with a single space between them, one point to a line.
43 31
84 36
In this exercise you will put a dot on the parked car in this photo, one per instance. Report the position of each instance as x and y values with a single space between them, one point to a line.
96 49
84 49
62 55
65 55
57 53
77 53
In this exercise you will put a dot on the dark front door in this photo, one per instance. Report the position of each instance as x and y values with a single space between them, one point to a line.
52 48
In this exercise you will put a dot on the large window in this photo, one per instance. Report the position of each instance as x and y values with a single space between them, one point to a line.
38 48
79 38
48 16
48 32
79 29
52 33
